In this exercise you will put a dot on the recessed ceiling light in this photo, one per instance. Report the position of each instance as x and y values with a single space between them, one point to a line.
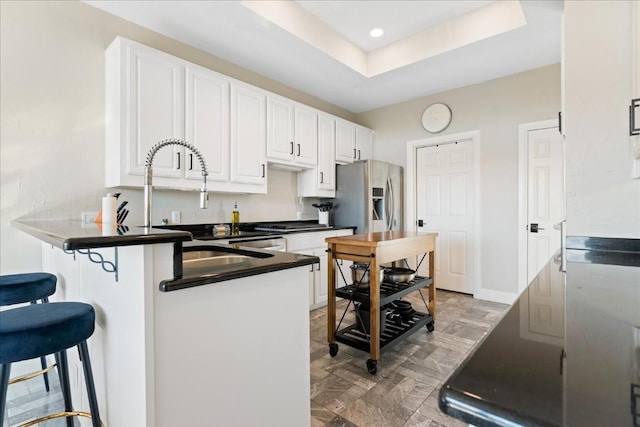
376 32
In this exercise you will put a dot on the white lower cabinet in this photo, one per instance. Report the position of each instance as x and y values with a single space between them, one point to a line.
317 279
313 243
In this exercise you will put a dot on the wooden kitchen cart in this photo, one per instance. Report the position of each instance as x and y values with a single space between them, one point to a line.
377 249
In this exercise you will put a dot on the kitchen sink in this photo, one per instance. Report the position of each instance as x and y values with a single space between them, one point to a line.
216 256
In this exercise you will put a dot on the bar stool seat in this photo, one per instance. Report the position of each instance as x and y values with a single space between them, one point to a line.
35 330
28 288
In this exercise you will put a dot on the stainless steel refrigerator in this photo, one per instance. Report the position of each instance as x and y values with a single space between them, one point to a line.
369 195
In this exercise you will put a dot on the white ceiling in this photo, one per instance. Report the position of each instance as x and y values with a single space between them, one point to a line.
322 47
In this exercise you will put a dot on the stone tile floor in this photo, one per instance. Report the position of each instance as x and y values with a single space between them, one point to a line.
404 392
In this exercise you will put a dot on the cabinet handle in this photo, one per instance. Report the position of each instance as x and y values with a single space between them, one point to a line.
298 150
321 177
633 130
291 148
354 153
178 154
190 161
359 155
263 170
560 121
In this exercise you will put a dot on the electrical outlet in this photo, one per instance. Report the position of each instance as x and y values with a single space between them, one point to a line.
88 216
176 217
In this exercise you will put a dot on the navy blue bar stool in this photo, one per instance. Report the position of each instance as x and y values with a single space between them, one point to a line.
28 288
40 329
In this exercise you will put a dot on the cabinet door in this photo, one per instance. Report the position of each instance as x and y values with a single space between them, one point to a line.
248 135
207 123
154 109
364 143
280 129
326 153
635 139
306 136
345 141
321 280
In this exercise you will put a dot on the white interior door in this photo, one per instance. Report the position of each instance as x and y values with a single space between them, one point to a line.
545 196
445 204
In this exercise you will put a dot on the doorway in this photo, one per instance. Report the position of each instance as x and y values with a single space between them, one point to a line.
541 197
443 197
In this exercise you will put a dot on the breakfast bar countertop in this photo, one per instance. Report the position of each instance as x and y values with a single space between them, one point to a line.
69 234
567 352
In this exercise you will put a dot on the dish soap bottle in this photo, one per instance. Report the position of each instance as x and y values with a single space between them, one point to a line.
235 220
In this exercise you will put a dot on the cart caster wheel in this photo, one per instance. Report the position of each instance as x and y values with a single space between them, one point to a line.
372 366
431 327
333 349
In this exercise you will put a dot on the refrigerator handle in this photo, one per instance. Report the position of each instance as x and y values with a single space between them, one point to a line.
389 204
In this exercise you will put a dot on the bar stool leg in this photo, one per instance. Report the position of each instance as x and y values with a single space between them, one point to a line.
43 363
5 373
63 364
88 378
43 359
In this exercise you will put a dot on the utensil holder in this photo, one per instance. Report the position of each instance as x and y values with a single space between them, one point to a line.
323 218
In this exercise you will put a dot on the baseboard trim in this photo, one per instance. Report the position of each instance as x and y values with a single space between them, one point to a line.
496 296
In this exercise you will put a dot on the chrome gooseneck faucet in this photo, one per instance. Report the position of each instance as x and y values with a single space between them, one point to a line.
148 176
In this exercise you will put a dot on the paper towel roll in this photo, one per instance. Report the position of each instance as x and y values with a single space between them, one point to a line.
109 215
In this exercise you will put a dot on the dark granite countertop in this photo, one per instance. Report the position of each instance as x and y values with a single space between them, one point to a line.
567 353
267 261
74 234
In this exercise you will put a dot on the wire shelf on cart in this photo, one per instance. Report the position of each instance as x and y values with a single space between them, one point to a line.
377 249
394 331
388 291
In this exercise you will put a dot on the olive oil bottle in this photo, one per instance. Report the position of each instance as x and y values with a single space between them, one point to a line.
235 220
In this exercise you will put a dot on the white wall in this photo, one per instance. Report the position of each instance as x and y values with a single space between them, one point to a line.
602 198
52 133
495 108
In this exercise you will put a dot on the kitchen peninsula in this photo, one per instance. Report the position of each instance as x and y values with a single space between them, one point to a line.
196 355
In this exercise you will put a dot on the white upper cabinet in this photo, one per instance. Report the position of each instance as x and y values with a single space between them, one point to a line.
152 96
320 181
207 123
306 136
144 105
292 133
280 128
353 142
364 143
248 134
345 141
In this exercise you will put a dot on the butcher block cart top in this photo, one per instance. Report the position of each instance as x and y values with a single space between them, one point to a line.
377 249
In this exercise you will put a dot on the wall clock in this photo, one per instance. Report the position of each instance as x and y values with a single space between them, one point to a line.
436 117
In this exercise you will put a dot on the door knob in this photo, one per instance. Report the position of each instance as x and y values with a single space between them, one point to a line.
534 228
